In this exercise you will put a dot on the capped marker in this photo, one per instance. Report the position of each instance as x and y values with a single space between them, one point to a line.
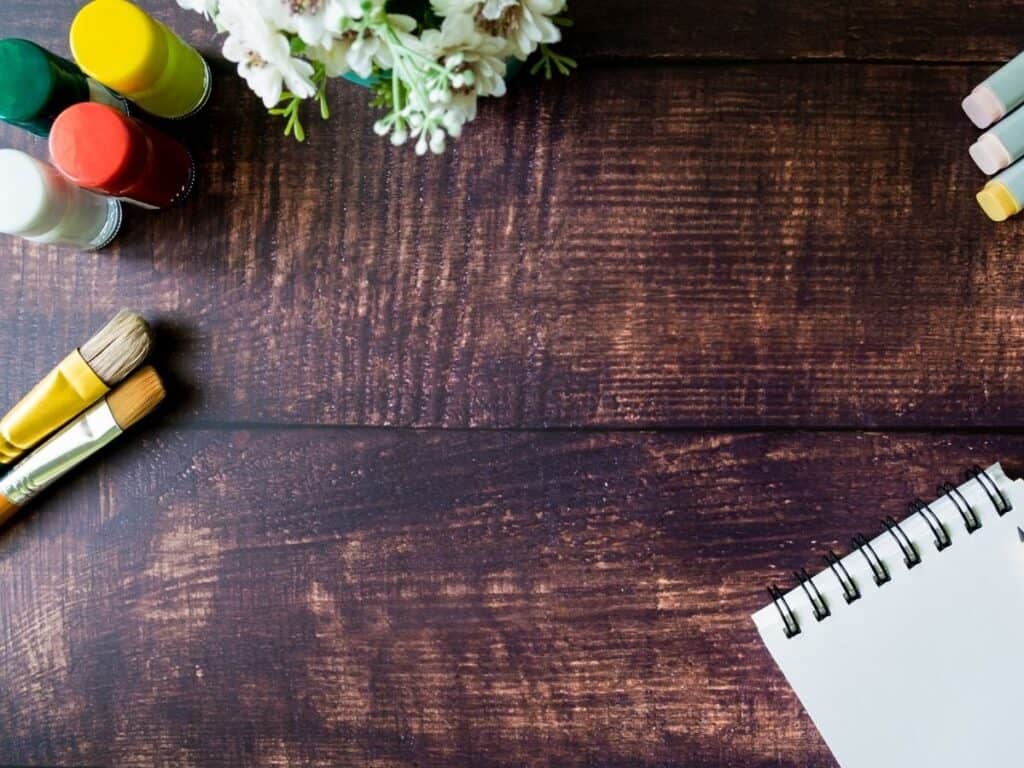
1003 196
40 205
997 95
100 149
1001 146
126 49
36 86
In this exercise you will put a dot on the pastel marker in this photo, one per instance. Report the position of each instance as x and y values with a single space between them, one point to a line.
124 48
1003 196
102 150
39 204
1000 146
1000 94
36 86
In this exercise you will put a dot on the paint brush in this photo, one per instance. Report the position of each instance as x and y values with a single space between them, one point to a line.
108 419
82 378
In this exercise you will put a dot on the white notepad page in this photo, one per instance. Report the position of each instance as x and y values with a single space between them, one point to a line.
927 670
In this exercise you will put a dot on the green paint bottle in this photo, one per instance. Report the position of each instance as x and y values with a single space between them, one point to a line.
36 86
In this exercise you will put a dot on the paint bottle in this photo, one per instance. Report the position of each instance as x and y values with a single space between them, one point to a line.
999 94
124 48
100 149
39 204
1003 196
36 86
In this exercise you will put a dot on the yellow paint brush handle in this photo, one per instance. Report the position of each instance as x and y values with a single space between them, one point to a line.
66 391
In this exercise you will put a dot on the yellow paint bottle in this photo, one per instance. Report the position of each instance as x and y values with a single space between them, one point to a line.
121 46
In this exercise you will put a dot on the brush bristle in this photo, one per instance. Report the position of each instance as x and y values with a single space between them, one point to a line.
136 397
118 348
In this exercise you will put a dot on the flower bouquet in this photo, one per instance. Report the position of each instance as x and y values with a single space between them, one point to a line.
427 63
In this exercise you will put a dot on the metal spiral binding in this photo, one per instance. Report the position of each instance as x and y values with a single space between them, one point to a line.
911 557
971 520
821 611
850 590
991 489
878 569
792 627
938 530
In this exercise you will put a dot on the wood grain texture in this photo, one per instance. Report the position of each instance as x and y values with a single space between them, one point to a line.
397 598
681 235
697 246
915 30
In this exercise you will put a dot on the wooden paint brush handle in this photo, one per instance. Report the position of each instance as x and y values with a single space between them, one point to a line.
7 509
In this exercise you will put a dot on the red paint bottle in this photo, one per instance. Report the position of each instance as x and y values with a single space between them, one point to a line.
101 149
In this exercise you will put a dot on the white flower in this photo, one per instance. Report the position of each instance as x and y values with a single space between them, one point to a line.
360 47
525 24
445 8
205 7
316 22
493 9
263 54
474 57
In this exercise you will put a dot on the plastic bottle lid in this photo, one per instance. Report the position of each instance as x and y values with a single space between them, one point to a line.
95 146
24 193
119 45
983 107
997 202
27 80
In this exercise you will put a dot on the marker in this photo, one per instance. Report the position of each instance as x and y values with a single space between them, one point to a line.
1003 196
1001 146
124 48
1000 94
100 149
40 205
36 86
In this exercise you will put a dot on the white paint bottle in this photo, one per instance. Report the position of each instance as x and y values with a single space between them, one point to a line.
40 205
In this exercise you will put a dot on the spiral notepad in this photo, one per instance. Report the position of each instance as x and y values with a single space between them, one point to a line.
908 650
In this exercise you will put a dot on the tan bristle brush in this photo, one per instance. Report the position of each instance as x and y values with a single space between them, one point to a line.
82 378
80 439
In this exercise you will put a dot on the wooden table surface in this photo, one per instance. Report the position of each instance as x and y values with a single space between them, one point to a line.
485 460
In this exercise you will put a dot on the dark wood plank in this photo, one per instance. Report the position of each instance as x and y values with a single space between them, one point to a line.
397 598
717 245
927 30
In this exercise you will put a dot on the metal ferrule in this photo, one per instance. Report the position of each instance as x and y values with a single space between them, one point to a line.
72 445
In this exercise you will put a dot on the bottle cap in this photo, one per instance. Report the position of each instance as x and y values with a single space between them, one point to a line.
983 107
990 154
119 45
997 202
29 202
35 85
97 147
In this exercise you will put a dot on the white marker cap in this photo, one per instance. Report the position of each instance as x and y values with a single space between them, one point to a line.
983 107
990 154
30 198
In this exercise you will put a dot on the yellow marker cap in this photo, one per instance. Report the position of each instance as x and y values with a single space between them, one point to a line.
66 391
121 46
997 202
